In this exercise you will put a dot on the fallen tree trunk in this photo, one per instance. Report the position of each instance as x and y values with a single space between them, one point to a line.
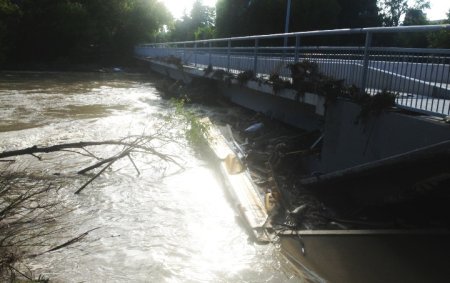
129 145
59 147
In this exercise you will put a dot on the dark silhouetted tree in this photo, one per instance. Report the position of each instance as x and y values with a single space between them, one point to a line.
9 19
82 31
359 13
418 40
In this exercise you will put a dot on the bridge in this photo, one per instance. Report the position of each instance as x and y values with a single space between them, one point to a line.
420 77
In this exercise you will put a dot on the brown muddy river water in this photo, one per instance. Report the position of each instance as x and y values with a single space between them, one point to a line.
177 228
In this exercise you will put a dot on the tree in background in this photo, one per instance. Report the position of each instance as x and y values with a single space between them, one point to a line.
314 14
9 19
415 17
441 39
82 31
249 17
418 40
203 21
199 24
392 11
357 14
230 17
143 19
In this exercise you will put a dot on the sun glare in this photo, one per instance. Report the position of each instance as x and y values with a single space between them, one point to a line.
180 7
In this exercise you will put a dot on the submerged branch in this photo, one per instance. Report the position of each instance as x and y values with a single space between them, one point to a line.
104 161
95 177
70 242
59 147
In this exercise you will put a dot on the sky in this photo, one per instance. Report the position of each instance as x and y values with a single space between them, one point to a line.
177 7
438 10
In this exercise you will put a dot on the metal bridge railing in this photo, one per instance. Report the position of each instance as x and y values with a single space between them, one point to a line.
420 76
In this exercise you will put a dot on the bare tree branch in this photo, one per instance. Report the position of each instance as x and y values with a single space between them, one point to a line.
134 164
96 175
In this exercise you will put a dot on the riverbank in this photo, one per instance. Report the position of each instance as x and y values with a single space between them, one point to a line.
131 66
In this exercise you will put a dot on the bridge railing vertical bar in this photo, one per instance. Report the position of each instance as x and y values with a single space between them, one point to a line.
433 88
341 62
210 54
382 68
195 54
413 85
347 60
367 46
431 94
420 87
228 55
374 75
440 86
406 86
327 69
446 62
400 80
413 73
255 58
297 46
437 88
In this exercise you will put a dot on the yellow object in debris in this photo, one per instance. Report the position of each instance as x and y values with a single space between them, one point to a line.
269 202
233 164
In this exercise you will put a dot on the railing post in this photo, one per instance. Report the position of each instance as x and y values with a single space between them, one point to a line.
210 50
297 45
255 59
285 44
366 61
228 55
184 52
195 54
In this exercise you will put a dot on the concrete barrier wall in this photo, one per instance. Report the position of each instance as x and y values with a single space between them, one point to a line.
348 143
290 112
303 112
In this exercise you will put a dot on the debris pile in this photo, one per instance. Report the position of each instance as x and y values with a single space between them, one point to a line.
273 153
277 155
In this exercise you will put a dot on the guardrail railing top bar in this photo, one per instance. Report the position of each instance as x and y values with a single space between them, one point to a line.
403 29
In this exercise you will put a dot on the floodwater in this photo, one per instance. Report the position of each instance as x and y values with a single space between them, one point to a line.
164 225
